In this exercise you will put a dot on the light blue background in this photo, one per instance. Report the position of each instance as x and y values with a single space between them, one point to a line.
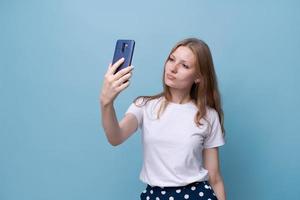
54 55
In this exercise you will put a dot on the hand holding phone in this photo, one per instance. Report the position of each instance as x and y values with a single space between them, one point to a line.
123 49
114 82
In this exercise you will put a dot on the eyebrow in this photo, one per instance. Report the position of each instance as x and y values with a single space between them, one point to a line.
181 59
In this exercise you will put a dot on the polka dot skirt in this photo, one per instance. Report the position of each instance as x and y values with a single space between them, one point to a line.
194 191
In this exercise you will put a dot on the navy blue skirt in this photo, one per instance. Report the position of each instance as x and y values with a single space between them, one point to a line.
194 191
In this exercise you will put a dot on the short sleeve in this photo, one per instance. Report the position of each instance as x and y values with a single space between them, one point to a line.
137 111
215 136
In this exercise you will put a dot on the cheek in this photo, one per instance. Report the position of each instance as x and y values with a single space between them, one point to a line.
167 66
188 78
186 81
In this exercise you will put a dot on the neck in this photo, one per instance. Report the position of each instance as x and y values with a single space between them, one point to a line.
179 97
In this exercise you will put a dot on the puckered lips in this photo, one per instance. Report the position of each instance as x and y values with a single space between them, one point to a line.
169 76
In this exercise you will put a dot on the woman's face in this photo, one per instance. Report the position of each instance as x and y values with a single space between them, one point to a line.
180 70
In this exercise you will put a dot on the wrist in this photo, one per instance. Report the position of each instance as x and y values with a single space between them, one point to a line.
105 103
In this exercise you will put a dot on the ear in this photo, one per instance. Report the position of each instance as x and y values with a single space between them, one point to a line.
197 80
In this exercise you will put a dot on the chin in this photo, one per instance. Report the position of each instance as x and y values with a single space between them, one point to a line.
171 85
168 83
174 86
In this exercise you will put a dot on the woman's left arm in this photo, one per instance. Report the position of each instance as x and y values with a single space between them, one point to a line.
211 163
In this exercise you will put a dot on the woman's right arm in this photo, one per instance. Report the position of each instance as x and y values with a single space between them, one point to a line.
113 84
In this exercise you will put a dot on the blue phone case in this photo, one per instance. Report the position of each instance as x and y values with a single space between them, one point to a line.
124 48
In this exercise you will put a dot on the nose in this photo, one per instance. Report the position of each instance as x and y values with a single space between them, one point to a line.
174 67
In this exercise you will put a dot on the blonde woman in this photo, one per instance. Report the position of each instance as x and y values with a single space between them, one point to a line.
182 127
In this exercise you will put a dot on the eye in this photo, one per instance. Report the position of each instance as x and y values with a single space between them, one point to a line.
185 66
171 59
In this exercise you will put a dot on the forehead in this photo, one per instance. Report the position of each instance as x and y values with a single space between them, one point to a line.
184 53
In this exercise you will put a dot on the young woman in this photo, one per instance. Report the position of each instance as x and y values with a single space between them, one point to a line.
182 127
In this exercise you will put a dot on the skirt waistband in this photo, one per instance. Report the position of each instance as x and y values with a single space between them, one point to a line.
171 188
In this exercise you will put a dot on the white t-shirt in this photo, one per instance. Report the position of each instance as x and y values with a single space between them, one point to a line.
173 144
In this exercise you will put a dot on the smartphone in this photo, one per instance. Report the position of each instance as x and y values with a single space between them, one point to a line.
124 48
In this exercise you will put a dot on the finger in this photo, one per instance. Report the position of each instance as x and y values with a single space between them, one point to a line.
123 86
114 67
123 71
123 79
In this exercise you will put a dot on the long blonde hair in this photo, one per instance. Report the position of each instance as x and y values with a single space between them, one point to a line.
205 93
